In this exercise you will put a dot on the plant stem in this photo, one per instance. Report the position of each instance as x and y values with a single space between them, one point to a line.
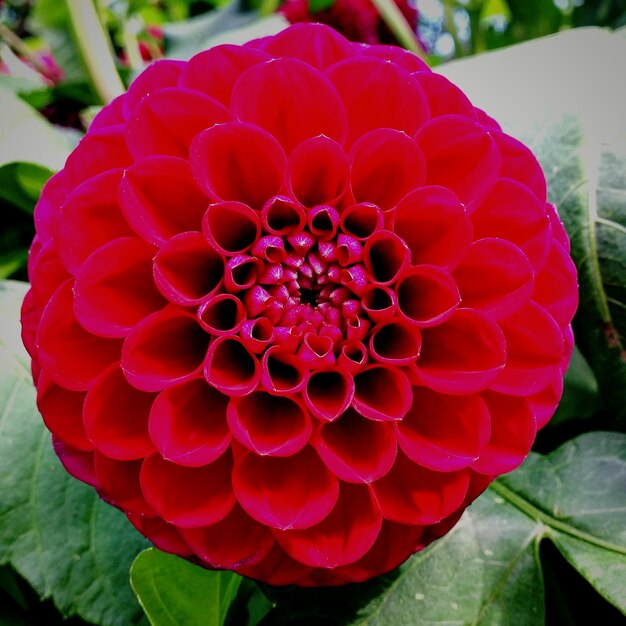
448 8
95 48
392 16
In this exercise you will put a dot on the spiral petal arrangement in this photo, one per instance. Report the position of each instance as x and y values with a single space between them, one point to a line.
294 304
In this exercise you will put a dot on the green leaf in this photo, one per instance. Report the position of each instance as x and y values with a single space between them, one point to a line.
174 592
487 570
227 25
54 530
33 92
320 5
576 127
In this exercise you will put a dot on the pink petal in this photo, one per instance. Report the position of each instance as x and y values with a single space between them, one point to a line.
512 212
215 71
215 546
495 277
167 120
513 429
535 350
296 491
166 348
72 357
282 372
160 75
342 445
379 303
231 227
160 199
163 535
444 97
411 494
291 100
231 367
403 58
463 355
361 220
282 216
62 412
328 393
268 424
385 166
375 94
386 257
187 269
433 223
121 433
91 216
443 432
238 161
461 155
344 536
77 463
188 496
316 44
427 295
188 424
382 393
114 289
396 343
46 273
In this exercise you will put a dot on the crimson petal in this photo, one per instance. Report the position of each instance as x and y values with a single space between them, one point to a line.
328 393
296 491
382 393
188 424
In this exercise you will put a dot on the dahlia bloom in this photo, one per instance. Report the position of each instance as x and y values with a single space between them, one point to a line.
357 20
294 304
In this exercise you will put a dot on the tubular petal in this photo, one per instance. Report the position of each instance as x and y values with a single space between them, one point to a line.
498 289
231 367
238 161
433 224
513 429
411 494
216 70
232 227
188 424
291 100
268 424
221 314
188 497
187 269
114 289
385 256
167 120
72 357
344 536
214 544
385 166
328 393
160 199
463 355
297 491
341 446
121 433
361 220
282 372
427 295
461 155
382 393
166 348
375 94
444 433
396 343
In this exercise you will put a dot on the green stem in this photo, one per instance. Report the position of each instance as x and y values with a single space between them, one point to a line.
95 49
448 9
537 514
392 16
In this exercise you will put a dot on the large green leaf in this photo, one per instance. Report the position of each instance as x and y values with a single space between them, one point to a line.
174 592
564 96
54 530
487 571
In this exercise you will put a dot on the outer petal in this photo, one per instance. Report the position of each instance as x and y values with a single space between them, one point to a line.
290 100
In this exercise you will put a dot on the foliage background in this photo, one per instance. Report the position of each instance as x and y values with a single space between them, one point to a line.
546 544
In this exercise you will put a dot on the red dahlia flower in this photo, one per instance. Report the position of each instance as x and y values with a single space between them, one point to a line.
295 304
